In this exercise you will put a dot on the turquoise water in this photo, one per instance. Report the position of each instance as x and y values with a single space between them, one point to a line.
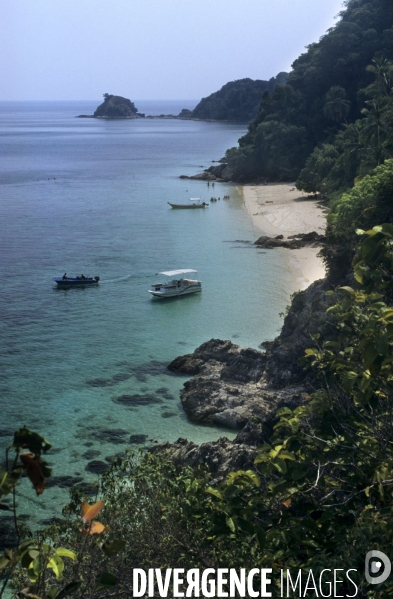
88 195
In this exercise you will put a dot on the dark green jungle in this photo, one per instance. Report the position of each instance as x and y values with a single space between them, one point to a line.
237 100
320 493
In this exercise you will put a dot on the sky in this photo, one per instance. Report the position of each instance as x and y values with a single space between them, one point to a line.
150 49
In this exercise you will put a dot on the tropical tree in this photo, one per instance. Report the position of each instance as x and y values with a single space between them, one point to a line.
336 106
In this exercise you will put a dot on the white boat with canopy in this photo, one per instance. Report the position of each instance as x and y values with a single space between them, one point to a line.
176 283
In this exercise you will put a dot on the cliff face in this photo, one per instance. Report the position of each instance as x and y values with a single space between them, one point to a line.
116 107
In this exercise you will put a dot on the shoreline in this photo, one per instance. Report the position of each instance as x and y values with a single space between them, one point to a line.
281 209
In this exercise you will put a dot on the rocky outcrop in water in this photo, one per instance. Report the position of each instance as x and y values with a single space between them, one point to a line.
229 387
218 173
293 242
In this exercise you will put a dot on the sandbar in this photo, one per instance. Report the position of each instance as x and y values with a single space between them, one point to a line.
281 209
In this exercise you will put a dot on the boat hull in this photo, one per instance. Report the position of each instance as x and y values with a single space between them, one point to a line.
166 291
76 282
187 206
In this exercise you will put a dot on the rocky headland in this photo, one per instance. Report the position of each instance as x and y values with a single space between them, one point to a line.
219 173
242 388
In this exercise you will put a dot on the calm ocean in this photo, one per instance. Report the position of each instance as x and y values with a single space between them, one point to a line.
90 195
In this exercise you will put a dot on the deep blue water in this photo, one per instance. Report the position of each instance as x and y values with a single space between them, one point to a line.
90 195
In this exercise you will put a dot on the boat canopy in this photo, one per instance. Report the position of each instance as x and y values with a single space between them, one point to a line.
195 199
175 273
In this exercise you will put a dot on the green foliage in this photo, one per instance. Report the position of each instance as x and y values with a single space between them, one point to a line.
237 100
368 201
324 92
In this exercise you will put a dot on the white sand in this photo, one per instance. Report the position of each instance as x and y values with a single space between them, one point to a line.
280 209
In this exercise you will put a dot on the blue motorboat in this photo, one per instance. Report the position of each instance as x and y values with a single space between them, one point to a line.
80 281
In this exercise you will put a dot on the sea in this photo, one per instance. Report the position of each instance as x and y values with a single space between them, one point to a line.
91 196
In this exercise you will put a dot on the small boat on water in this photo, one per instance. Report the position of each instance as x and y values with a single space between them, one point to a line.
176 284
80 281
194 203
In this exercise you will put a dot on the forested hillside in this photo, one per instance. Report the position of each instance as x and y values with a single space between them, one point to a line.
237 100
338 94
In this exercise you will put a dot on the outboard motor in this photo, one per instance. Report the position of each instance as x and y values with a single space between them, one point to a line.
97 279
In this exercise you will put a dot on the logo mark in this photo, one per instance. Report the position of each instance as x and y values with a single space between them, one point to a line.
377 567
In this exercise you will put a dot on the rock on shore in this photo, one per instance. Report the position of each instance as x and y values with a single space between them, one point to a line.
293 242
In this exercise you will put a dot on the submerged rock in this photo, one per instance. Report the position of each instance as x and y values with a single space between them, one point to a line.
137 400
138 439
97 467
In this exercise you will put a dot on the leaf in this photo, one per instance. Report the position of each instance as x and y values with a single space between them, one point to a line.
63 552
56 564
90 511
311 352
106 580
253 477
230 523
51 593
113 547
287 503
348 291
29 556
370 353
215 493
286 455
387 229
261 537
280 465
31 440
381 344
298 474
4 561
33 467
8 480
68 589
285 411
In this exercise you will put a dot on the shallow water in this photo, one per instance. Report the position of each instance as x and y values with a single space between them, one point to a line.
89 195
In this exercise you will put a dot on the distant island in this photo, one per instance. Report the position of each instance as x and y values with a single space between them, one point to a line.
115 107
236 101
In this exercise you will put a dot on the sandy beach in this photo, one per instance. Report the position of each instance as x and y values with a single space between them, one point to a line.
280 209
